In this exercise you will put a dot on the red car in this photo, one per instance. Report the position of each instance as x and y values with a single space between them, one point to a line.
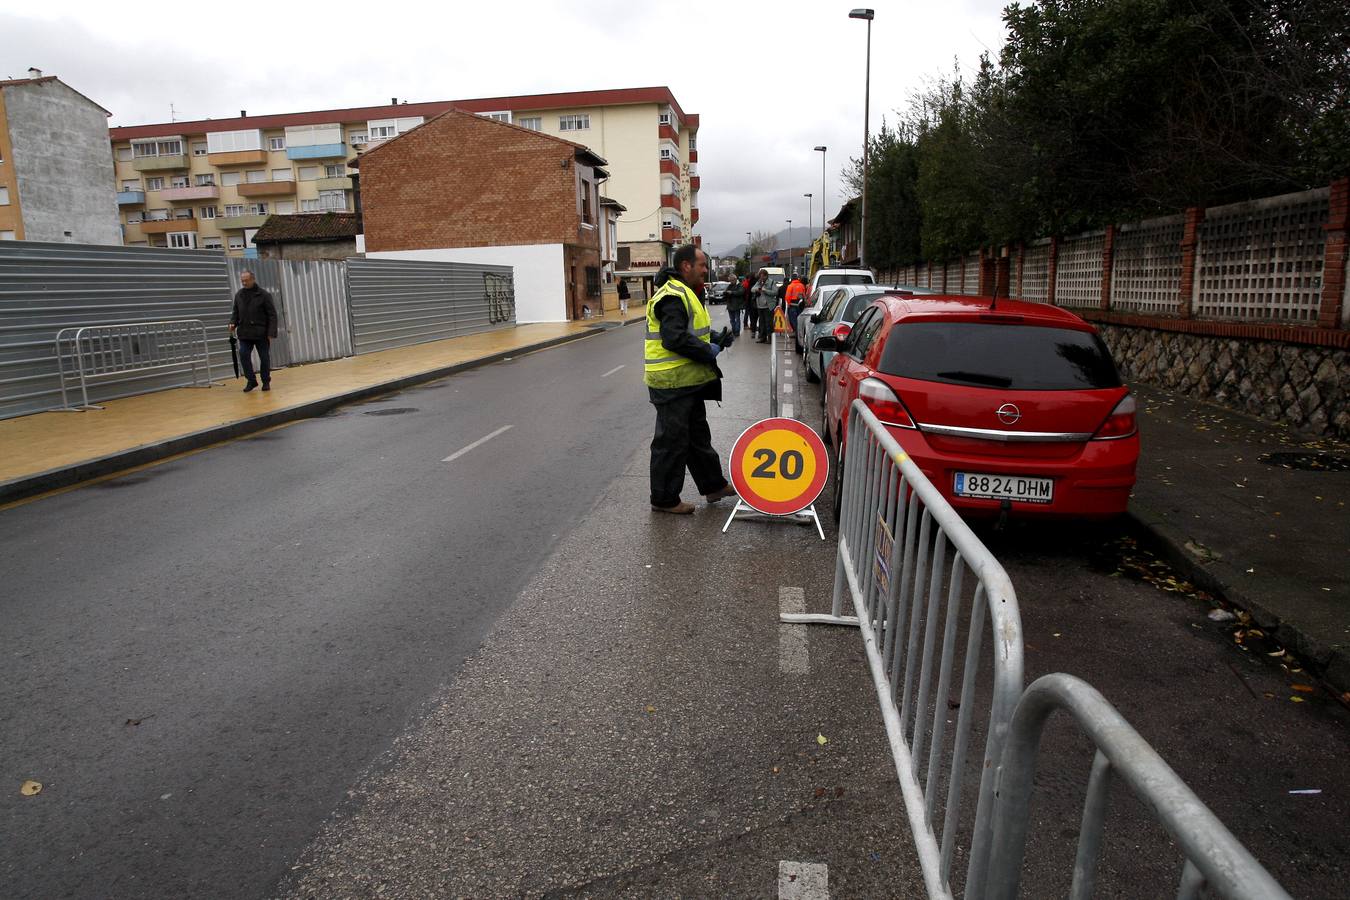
1016 409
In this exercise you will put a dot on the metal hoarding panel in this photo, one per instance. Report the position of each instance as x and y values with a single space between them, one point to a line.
397 302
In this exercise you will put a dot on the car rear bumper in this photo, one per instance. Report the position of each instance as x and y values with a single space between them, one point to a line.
1094 483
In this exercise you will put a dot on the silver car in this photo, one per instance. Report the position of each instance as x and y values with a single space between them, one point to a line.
837 305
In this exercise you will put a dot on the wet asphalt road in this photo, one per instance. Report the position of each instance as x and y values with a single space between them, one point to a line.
500 676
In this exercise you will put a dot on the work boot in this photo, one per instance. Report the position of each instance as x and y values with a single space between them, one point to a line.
267 387
250 386
679 509
721 493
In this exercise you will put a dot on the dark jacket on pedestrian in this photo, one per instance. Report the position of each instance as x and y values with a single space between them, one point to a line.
677 337
735 301
623 289
254 314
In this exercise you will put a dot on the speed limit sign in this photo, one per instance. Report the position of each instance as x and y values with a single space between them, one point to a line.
779 466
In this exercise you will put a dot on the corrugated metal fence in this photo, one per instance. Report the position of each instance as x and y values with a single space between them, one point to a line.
396 302
326 309
47 287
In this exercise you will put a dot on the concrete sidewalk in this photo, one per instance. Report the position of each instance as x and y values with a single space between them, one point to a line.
1251 511
52 450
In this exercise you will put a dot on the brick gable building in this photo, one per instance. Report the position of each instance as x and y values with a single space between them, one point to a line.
467 187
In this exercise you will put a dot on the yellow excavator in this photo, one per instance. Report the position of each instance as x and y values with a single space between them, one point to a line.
820 257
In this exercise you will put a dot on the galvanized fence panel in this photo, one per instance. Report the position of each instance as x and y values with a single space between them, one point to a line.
971 274
398 302
311 298
1036 272
45 287
917 577
1078 270
1146 268
1213 856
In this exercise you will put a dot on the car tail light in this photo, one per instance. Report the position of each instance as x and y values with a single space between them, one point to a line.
841 331
881 400
1121 423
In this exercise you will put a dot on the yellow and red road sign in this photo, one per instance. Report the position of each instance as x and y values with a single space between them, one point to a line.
779 466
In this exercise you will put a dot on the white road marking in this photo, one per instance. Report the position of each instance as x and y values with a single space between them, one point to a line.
803 881
611 371
478 443
793 656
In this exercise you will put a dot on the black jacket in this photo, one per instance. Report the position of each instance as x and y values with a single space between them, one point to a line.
677 337
254 314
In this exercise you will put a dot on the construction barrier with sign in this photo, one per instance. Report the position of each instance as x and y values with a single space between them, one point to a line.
779 467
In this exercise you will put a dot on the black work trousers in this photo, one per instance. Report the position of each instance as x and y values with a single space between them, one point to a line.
683 440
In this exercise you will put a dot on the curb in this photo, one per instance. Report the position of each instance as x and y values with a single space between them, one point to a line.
1329 662
53 479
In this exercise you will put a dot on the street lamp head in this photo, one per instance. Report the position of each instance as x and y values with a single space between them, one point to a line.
808 195
821 148
861 14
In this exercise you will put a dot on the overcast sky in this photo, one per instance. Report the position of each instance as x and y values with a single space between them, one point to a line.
767 89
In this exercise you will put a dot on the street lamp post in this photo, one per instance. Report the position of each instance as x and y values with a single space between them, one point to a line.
788 273
868 15
821 151
806 263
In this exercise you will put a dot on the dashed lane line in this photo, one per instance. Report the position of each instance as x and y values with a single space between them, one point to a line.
613 370
793 656
478 443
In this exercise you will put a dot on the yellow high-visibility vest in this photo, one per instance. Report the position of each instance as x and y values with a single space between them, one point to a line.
664 369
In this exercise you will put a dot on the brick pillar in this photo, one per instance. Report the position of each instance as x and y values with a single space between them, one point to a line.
1001 273
1190 240
1052 266
928 283
986 274
1333 263
1021 266
1108 257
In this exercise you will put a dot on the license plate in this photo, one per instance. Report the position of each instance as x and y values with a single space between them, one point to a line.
1019 488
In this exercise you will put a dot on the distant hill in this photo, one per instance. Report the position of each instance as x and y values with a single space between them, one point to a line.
799 237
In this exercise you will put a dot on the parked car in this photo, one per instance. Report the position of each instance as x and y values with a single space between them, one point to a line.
835 305
1017 409
717 291
827 278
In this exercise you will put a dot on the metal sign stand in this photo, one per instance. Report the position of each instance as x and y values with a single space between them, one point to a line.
746 511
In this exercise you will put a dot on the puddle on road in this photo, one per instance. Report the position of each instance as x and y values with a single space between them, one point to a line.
392 411
1307 461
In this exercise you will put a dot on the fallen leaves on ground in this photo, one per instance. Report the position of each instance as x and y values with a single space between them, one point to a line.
30 788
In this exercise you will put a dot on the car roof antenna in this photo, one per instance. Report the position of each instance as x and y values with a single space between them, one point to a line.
993 301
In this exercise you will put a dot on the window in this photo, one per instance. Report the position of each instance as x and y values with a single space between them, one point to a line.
234 141
183 213
592 281
154 184
337 171
206 180
497 116
669 153
230 179
206 212
586 215
212 243
135 218
1005 357
668 223
574 123
4 196
665 118
179 181
256 176
124 154
309 173
283 175
6 236
534 123
131 184
860 339
333 200
693 143
356 137
170 148
257 209
285 207
276 143
234 209
236 243
182 240
382 132
143 149
199 148
157 215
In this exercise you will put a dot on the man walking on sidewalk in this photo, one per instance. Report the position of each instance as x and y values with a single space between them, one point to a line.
681 373
254 320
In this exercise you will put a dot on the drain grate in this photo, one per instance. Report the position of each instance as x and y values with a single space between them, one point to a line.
1307 461
393 411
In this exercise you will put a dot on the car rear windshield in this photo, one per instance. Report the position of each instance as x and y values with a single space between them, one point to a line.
1013 357
857 305
859 278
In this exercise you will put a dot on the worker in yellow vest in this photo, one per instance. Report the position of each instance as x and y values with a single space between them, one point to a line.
681 373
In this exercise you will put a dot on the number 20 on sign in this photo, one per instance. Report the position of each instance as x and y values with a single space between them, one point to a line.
779 466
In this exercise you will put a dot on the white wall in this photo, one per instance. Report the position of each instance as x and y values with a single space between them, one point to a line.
540 282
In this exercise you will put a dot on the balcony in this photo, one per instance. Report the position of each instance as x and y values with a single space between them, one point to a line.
670 235
230 223
670 201
130 198
317 151
670 167
159 163
693 216
335 183
164 226
266 189
694 182
237 158
668 133
693 156
199 192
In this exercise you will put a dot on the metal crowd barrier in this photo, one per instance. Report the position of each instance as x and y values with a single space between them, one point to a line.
94 351
1214 858
917 576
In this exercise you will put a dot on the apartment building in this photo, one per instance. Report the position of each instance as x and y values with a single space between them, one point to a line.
212 183
55 168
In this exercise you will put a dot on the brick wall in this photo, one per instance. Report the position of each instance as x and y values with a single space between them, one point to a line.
462 180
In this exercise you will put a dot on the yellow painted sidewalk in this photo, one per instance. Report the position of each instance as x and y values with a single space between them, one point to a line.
56 440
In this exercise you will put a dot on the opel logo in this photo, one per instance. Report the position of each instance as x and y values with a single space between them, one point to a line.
1009 414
